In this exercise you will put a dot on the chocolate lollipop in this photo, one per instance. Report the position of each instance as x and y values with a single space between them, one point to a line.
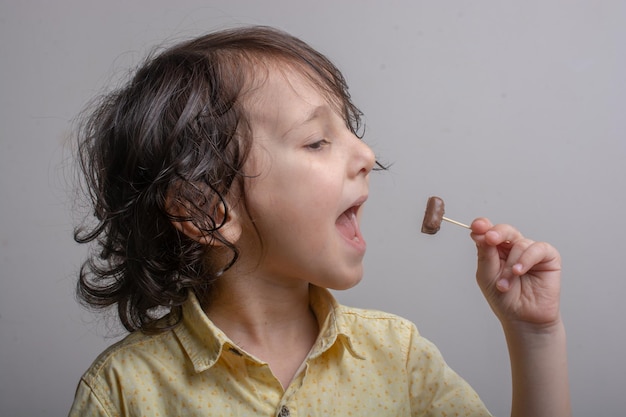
435 209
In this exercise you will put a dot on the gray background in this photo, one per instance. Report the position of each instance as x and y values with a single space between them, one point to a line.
512 110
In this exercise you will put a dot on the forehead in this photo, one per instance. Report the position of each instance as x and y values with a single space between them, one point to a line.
280 95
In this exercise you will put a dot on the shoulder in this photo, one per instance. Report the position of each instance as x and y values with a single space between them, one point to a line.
132 355
127 371
372 318
375 329
370 315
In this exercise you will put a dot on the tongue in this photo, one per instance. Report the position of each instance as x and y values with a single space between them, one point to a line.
347 225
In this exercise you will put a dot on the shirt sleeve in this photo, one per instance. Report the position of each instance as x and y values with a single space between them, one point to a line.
434 388
87 404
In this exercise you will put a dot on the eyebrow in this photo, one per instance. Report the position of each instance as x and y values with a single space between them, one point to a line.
316 112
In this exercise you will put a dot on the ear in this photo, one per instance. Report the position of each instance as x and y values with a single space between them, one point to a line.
230 228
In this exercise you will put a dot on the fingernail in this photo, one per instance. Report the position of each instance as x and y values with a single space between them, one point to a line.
502 285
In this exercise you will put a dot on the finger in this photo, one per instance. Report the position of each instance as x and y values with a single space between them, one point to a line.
480 225
538 256
529 257
509 244
503 234
512 253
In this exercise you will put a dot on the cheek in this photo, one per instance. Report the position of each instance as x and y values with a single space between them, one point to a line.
295 191
292 217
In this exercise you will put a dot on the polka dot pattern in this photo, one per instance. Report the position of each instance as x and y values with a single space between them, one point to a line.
365 363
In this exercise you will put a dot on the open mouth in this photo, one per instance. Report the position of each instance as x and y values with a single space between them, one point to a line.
348 225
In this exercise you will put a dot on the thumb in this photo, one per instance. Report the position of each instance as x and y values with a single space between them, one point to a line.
488 255
488 264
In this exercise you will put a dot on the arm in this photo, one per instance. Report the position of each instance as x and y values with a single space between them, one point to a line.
520 279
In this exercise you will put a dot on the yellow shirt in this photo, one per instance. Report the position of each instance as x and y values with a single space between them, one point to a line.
364 363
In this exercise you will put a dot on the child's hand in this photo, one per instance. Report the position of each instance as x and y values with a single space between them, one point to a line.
519 277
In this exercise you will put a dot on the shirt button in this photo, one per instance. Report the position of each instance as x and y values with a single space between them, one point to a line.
284 411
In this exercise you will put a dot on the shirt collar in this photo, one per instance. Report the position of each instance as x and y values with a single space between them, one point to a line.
333 324
204 342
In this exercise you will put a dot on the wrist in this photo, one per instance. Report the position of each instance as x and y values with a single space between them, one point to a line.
538 354
521 330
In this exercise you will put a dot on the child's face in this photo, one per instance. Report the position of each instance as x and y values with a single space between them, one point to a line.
308 179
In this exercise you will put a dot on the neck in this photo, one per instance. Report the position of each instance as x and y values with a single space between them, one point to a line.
269 320
257 311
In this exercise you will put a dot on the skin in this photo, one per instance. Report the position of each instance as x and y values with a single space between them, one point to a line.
305 170
520 279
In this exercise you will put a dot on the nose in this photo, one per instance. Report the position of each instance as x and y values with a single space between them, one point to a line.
363 157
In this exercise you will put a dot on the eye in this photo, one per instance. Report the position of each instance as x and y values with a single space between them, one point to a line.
318 144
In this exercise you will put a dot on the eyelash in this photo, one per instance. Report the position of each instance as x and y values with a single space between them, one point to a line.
316 146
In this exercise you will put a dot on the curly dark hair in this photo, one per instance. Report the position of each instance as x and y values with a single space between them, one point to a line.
177 131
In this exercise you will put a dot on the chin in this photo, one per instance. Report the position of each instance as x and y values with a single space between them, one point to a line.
346 284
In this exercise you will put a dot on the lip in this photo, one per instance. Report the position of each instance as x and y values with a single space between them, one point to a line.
355 206
360 201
